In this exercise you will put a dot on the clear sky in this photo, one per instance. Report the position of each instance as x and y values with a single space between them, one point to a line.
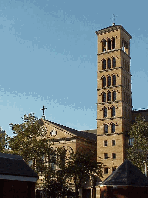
48 56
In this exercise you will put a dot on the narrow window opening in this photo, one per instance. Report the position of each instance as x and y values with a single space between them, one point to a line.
114 80
109 96
104 64
114 95
108 81
113 142
105 170
113 155
114 62
113 128
112 111
109 63
104 97
103 45
103 82
105 112
105 155
109 44
105 142
113 43
105 128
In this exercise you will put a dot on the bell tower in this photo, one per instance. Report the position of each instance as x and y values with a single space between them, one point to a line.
113 96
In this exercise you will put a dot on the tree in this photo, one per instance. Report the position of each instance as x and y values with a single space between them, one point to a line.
138 151
30 142
82 167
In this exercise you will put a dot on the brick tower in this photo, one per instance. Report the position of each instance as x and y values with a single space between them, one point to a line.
113 96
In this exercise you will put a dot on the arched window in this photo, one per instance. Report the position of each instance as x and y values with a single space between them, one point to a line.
109 44
113 43
103 82
108 63
112 111
108 81
113 128
104 112
113 62
104 45
105 128
114 95
113 80
104 64
109 96
104 97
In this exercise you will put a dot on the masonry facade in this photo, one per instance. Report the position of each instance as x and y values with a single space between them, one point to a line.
113 96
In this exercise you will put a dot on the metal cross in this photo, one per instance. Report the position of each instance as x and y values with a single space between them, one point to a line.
43 109
114 18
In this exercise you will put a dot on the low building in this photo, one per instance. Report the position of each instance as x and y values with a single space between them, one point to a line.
17 179
126 182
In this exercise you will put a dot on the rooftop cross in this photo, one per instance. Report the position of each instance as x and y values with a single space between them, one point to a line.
113 19
43 109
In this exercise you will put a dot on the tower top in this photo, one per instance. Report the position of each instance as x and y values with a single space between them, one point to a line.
112 29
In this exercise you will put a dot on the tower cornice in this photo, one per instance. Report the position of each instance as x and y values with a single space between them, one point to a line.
112 29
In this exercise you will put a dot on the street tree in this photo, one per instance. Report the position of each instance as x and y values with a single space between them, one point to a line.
138 135
82 167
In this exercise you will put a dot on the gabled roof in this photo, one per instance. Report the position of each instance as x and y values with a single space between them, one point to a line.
126 174
86 135
14 165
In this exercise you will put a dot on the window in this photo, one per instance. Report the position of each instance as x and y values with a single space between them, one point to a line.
131 141
105 155
103 45
109 96
114 95
113 169
105 128
113 80
105 142
104 64
113 43
109 44
113 142
53 133
108 81
113 62
108 63
104 112
103 82
103 97
113 128
105 170
112 111
113 155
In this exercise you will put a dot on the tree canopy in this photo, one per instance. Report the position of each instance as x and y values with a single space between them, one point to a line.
138 151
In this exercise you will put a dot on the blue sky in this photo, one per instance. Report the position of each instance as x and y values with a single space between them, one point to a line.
48 56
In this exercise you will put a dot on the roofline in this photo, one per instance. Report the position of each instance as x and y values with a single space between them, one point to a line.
18 178
112 28
74 130
122 185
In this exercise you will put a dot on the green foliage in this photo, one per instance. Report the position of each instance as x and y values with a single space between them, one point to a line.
82 167
138 152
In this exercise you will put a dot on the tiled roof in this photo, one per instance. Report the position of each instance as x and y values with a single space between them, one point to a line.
15 165
83 134
126 174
